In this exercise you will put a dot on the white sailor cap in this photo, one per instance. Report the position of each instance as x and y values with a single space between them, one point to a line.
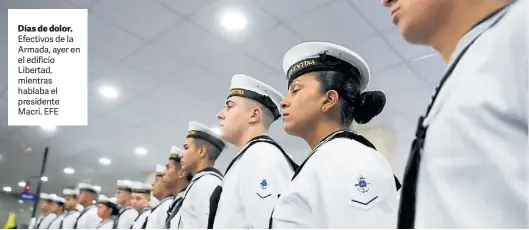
174 153
139 187
200 131
246 86
69 192
317 56
89 188
125 185
106 200
46 196
160 169
57 199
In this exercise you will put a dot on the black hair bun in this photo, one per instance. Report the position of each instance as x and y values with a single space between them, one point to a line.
370 105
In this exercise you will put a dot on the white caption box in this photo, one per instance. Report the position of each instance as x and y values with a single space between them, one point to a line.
47 67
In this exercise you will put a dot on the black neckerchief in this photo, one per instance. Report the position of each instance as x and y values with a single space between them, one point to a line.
80 215
116 222
215 196
407 205
177 204
139 214
155 207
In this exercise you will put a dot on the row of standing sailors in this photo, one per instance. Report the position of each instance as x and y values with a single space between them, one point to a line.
343 183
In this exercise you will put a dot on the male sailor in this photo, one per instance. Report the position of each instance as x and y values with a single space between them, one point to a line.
158 214
202 147
141 198
261 170
176 180
127 214
46 212
88 218
70 211
468 163
58 209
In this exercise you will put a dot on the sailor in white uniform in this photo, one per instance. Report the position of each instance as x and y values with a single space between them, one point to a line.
468 166
141 197
107 210
158 214
261 170
58 209
46 212
344 182
176 180
202 147
88 218
127 214
70 211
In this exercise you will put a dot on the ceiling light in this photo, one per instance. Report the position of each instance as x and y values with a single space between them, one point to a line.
233 21
140 151
98 188
44 178
108 92
21 183
7 189
50 128
68 170
93 201
105 161
20 202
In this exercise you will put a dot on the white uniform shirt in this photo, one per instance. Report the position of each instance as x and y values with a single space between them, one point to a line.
142 217
56 222
44 221
194 212
158 214
106 224
345 184
88 219
69 219
251 188
473 172
126 218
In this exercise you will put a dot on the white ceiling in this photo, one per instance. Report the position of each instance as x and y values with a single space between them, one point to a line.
172 63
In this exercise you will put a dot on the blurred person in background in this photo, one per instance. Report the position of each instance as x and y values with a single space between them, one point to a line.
158 214
127 214
141 198
107 210
70 205
58 209
88 218
46 212
468 163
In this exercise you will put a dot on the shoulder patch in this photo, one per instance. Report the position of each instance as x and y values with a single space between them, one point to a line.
263 193
362 195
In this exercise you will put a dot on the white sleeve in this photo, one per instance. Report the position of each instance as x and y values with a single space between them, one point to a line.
158 220
294 209
264 175
353 192
94 219
199 198
127 219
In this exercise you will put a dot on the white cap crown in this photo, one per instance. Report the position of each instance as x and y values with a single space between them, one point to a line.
301 56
